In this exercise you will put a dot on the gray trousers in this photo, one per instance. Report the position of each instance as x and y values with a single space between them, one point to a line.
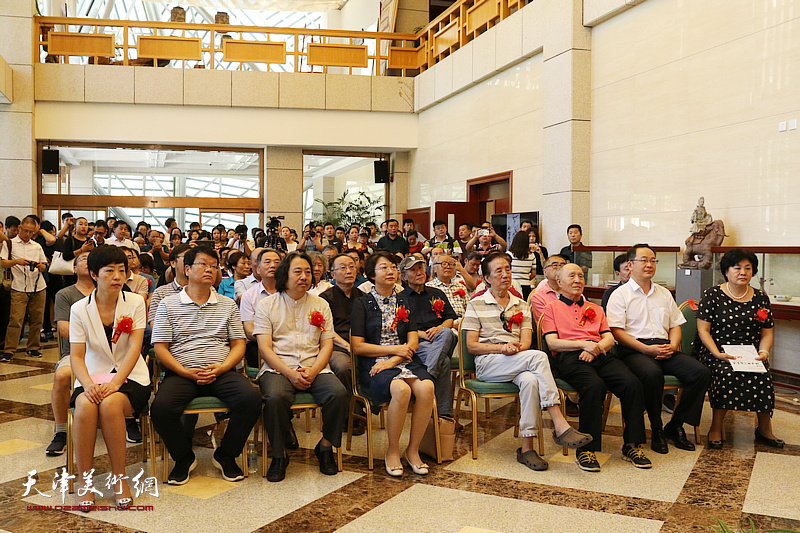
278 394
436 356
530 371
340 364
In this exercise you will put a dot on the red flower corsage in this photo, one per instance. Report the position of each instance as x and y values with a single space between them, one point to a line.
317 319
438 306
762 314
124 325
588 314
401 313
462 293
515 319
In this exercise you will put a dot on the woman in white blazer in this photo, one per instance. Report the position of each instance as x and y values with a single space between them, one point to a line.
105 332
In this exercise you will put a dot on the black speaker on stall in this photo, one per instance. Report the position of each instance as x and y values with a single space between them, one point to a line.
381 172
49 161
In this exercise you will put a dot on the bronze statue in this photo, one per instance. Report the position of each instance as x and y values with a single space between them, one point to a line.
700 217
697 255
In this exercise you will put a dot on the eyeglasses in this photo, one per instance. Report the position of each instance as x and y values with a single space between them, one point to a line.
646 261
555 265
206 267
445 264
345 268
392 268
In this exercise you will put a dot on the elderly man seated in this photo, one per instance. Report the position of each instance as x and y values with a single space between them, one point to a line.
449 282
499 334
577 332
340 298
434 316
295 338
547 290
199 339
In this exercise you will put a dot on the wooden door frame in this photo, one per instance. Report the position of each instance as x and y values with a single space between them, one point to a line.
421 211
508 175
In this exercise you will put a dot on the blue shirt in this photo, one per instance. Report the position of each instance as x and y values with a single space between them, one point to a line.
226 287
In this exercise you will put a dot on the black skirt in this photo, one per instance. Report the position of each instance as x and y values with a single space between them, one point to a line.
138 395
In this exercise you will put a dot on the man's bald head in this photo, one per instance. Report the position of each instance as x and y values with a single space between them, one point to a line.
570 281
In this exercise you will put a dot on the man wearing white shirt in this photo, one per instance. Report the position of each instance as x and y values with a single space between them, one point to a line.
240 241
295 339
243 285
645 321
267 261
27 261
120 236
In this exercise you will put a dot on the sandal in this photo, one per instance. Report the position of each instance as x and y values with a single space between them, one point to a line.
572 438
86 505
124 503
421 470
532 460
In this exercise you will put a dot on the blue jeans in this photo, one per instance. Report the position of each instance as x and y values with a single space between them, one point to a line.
436 356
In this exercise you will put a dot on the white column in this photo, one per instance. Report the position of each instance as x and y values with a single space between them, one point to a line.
567 133
17 145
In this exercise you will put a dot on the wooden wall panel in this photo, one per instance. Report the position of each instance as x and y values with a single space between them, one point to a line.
253 51
481 14
446 37
337 55
81 44
404 57
169 48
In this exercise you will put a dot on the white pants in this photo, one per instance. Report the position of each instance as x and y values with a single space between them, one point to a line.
530 371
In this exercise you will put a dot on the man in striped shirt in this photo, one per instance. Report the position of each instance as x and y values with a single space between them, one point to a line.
446 280
199 339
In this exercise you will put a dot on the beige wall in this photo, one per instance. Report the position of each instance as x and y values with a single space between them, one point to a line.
17 158
686 101
359 180
220 126
492 127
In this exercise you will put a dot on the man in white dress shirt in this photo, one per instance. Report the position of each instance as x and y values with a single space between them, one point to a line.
646 323
120 236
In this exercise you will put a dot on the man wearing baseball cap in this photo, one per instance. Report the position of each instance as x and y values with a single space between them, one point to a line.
435 317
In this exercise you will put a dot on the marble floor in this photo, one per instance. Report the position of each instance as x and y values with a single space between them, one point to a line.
684 491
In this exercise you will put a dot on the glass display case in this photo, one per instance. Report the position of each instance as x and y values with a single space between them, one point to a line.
601 274
778 268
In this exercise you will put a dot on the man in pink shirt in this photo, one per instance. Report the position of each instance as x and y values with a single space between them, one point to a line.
577 333
547 290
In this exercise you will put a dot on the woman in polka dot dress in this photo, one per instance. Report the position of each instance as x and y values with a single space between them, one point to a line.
734 314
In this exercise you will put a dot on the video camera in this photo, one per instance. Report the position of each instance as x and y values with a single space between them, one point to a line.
273 238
